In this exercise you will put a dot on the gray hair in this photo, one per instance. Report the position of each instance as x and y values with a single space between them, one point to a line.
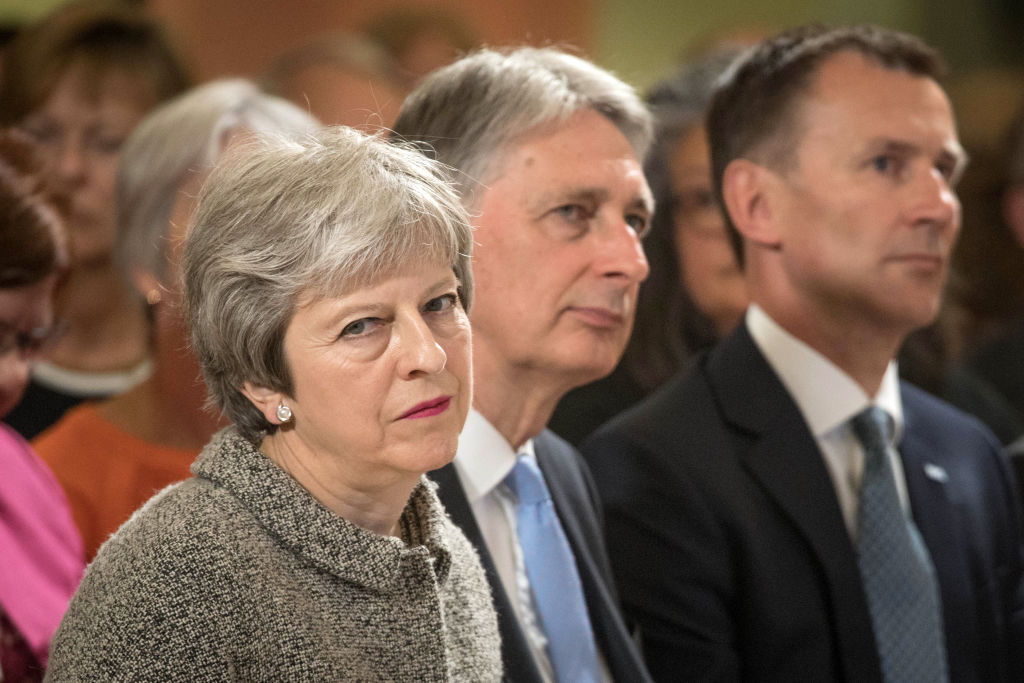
185 134
281 223
467 113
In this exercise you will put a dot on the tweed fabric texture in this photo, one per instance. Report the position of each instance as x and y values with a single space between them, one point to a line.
240 574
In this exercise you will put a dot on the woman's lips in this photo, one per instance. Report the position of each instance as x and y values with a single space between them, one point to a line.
429 408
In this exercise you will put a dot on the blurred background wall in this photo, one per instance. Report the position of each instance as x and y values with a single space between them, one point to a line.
639 39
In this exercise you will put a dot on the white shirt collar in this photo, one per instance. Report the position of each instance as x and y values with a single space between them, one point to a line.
826 396
484 457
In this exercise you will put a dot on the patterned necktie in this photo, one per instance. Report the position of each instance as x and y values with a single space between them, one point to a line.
899 580
551 568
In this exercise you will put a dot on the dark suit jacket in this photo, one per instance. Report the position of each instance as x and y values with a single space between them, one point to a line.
575 499
730 549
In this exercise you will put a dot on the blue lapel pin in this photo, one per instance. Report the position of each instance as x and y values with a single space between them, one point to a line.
936 473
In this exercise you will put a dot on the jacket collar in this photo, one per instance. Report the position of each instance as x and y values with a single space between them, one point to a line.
778 450
306 528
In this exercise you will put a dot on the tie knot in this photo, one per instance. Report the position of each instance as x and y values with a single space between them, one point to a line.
874 429
527 482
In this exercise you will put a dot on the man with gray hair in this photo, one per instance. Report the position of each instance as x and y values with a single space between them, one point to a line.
547 151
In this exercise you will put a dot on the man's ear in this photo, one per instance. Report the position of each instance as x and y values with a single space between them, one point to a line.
266 400
747 192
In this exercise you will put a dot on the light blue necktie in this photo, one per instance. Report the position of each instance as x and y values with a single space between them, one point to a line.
555 582
899 580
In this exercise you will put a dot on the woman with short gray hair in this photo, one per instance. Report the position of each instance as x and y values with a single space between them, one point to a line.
327 281
111 456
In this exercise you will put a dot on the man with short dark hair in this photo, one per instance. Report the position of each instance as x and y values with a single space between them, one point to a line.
788 509
547 150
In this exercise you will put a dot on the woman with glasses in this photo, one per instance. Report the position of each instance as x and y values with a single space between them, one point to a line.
110 456
77 83
40 552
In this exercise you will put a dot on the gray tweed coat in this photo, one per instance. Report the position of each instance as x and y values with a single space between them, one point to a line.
240 574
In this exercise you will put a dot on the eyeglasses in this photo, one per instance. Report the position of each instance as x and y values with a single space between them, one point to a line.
695 211
30 345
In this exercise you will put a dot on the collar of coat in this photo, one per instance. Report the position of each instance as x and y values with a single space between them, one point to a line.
307 528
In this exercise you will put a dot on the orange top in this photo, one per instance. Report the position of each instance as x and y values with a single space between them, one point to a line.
106 473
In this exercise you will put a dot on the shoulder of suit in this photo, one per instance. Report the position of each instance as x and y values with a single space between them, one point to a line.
924 412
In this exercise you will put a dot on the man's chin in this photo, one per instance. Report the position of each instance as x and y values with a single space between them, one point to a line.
590 372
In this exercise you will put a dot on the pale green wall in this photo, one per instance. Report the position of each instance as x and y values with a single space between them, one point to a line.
641 39
20 11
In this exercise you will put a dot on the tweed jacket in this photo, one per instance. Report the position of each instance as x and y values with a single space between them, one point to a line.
240 574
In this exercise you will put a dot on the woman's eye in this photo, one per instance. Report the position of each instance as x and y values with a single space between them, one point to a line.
692 202
357 328
107 144
42 134
441 303
704 199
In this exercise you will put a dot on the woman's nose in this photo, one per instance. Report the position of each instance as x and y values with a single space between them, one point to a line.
420 352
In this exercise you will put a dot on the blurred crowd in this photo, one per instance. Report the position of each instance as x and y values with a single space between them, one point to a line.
106 145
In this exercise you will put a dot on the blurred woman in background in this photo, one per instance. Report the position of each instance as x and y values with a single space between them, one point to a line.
40 552
78 82
113 455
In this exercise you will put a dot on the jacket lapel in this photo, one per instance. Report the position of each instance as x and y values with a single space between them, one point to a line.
782 455
571 497
934 513
515 652
939 520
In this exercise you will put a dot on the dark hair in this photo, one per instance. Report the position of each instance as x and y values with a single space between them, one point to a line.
30 230
101 35
669 327
753 113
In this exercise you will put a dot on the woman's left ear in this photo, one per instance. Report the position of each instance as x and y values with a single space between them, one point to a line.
267 401
147 285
